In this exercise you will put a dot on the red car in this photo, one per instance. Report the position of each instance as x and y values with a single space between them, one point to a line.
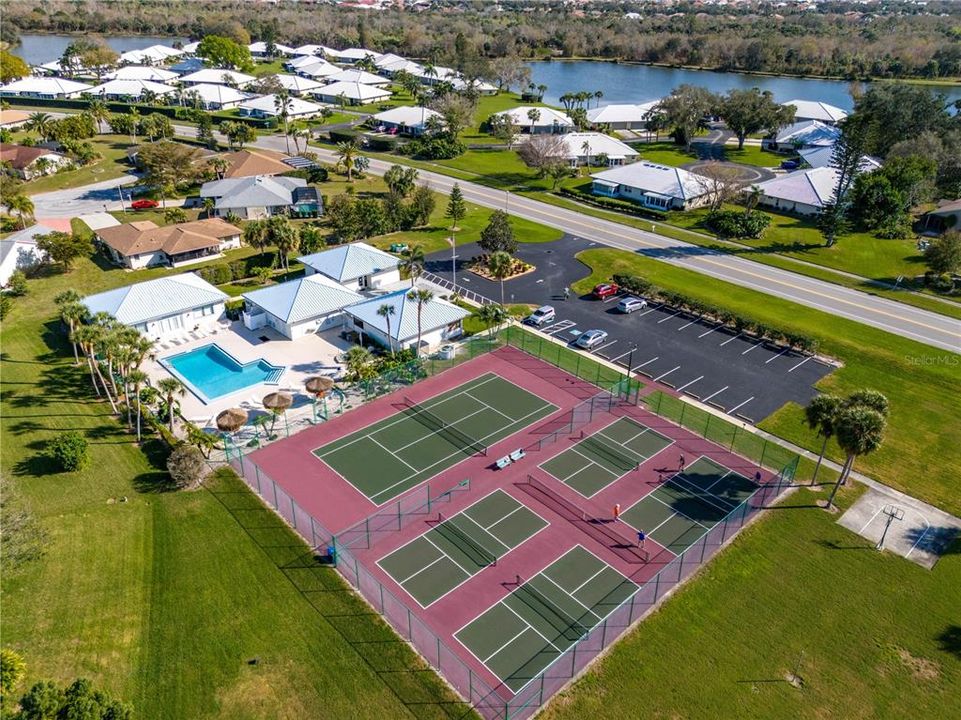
605 290
144 204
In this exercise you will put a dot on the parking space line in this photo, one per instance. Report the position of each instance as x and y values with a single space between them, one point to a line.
649 311
668 317
733 338
731 411
709 331
598 350
688 325
715 393
800 364
776 356
759 343
615 359
666 374
690 383
633 369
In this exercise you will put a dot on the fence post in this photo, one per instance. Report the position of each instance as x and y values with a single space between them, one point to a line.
293 511
410 630
276 503
760 463
257 477
734 438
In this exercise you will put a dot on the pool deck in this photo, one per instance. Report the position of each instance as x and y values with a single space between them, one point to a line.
302 358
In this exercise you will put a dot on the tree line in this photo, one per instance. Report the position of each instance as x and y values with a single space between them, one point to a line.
899 39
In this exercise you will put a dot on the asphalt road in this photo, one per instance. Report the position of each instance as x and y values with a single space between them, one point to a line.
82 200
904 320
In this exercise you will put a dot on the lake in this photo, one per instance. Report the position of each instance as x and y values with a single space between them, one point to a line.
627 83
39 49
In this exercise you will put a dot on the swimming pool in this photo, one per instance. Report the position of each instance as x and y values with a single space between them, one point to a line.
211 372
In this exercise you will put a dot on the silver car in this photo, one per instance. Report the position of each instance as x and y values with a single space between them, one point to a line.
630 304
543 314
591 339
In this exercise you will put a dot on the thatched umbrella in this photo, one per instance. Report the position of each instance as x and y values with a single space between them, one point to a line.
231 420
277 403
319 386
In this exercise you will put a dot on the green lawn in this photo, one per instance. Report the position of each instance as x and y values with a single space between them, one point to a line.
921 382
268 68
668 153
164 599
870 634
113 164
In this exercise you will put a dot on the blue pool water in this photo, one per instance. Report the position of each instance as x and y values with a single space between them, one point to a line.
211 372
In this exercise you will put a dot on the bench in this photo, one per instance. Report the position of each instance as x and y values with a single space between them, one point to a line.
518 454
503 462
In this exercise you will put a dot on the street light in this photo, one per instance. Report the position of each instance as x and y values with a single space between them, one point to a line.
630 364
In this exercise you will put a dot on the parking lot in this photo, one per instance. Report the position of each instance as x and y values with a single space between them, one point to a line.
729 371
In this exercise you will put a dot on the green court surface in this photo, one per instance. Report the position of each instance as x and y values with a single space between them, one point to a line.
600 459
526 631
459 547
401 451
688 504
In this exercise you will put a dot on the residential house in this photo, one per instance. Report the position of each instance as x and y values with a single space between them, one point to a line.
813 110
817 157
406 119
297 85
356 266
803 135
153 55
214 97
19 251
266 106
350 55
299 307
250 198
548 120
143 72
248 163
440 321
30 162
44 88
143 244
581 147
621 116
391 68
317 50
318 70
12 119
188 65
218 76
655 186
946 216
302 61
351 93
258 51
358 76
164 307
804 192
127 90
387 59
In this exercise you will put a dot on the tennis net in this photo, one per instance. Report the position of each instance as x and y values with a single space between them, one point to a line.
620 459
568 627
426 418
692 490
468 545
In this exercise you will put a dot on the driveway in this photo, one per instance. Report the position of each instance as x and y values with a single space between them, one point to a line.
734 373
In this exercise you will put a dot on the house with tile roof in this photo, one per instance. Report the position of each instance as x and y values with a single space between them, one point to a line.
250 163
30 162
309 304
357 266
144 244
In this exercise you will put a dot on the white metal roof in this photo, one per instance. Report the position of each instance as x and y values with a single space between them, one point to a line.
818 157
303 299
152 299
408 115
653 177
303 61
152 54
435 313
619 113
318 69
34 85
218 76
395 66
266 104
387 59
353 54
359 76
353 91
808 133
128 88
143 72
548 117
296 83
813 110
810 187
308 49
255 191
598 143
219 94
349 262
261 47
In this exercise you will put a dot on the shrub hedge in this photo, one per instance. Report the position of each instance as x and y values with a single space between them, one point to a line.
607 203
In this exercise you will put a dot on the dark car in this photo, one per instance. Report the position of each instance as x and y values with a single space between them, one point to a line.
605 290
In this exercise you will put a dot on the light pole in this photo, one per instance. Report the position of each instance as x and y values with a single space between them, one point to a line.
453 262
630 364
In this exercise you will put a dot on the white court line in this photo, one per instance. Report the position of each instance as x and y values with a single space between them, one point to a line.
586 581
871 520
498 520
800 363
730 339
489 407
646 363
530 626
920 537
393 454
492 536
776 356
418 572
523 630
420 439
551 580
668 317
731 411
690 383
759 344
469 573
688 325
666 374
715 393
709 331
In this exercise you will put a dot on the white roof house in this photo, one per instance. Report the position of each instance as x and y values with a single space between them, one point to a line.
659 187
151 55
191 47
143 72
255 196
302 61
548 119
621 116
310 49
354 93
806 134
266 106
259 49
804 192
581 144
164 306
319 69
296 84
813 110
351 55
358 76
387 59
407 119
440 320
218 76
356 265
308 304
818 157
47 88
19 251
217 97
120 89
395 66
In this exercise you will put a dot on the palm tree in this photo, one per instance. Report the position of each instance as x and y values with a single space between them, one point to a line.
20 204
358 361
493 315
598 94
533 115
499 264
284 235
347 155
387 311
73 313
255 234
541 89
413 262
420 297
40 123
84 336
586 147
137 378
209 204
219 165
430 72
860 430
170 388
282 104
820 415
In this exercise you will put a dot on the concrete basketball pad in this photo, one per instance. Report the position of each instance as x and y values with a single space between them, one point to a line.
922 535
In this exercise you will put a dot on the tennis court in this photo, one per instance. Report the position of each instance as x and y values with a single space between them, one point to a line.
421 440
599 459
457 548
544 616
689 503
